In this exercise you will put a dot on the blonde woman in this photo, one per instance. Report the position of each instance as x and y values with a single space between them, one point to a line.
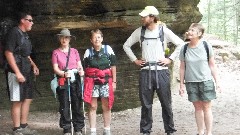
198 70
100 80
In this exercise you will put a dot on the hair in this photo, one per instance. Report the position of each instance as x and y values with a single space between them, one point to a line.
156 19
97 31
199 27
22 15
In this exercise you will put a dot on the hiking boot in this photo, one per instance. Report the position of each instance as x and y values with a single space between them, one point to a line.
79 133
106 132
93 133
17 132
28 131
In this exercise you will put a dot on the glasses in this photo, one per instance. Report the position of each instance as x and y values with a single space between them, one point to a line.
193 30
30 20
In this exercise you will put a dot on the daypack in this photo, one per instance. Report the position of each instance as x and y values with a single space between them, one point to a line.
5 26
91 51
161 35
205 46
100 58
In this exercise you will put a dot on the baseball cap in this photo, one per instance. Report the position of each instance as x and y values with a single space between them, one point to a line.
149 10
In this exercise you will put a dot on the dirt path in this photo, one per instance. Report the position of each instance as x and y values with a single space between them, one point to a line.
226 110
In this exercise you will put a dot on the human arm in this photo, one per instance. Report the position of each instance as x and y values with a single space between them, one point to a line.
34 66
80 68
114 76
213 69
178 42
182 72
134 38
55 65
12 62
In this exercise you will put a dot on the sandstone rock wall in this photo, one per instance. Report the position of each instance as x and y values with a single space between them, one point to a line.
116 18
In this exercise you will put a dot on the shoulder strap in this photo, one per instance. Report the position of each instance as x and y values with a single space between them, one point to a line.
142 33
105 49
185 50
161 35
90 52
67 58
206 48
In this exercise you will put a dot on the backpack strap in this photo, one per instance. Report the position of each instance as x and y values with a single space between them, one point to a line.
105 51
185 50
90 52
142 34
161 35
206 48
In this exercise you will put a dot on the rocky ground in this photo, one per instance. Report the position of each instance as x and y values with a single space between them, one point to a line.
226 110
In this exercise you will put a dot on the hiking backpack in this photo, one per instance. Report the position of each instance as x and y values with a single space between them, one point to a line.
101 54
161 35
5 25
205 46
91 51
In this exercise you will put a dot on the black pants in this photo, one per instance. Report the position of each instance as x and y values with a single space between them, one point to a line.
76 104
146 97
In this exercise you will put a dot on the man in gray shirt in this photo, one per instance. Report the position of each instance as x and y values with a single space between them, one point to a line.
154 74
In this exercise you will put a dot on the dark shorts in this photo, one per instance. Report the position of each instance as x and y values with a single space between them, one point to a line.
201 91
19 91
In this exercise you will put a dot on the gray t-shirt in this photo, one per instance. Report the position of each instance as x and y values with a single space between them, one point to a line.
196 63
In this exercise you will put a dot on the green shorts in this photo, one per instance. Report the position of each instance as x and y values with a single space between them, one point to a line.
201 91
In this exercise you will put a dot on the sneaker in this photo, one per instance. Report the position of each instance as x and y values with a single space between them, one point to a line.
28 131
106 132
79 133
93 133
17 132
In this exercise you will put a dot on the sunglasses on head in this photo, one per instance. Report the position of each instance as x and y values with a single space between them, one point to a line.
30 20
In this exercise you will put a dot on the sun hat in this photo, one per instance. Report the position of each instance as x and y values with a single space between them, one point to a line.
65 32
149 10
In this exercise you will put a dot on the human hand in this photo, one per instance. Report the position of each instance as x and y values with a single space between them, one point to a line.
139 62
114 84
67 74
20 78
81 72
181 90
219 88
165 61
35 70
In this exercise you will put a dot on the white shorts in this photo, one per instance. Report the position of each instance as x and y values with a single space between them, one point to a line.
14 87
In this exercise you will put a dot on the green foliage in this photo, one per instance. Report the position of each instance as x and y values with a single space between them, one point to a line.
221 17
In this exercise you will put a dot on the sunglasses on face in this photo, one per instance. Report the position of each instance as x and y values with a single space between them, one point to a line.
30 20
